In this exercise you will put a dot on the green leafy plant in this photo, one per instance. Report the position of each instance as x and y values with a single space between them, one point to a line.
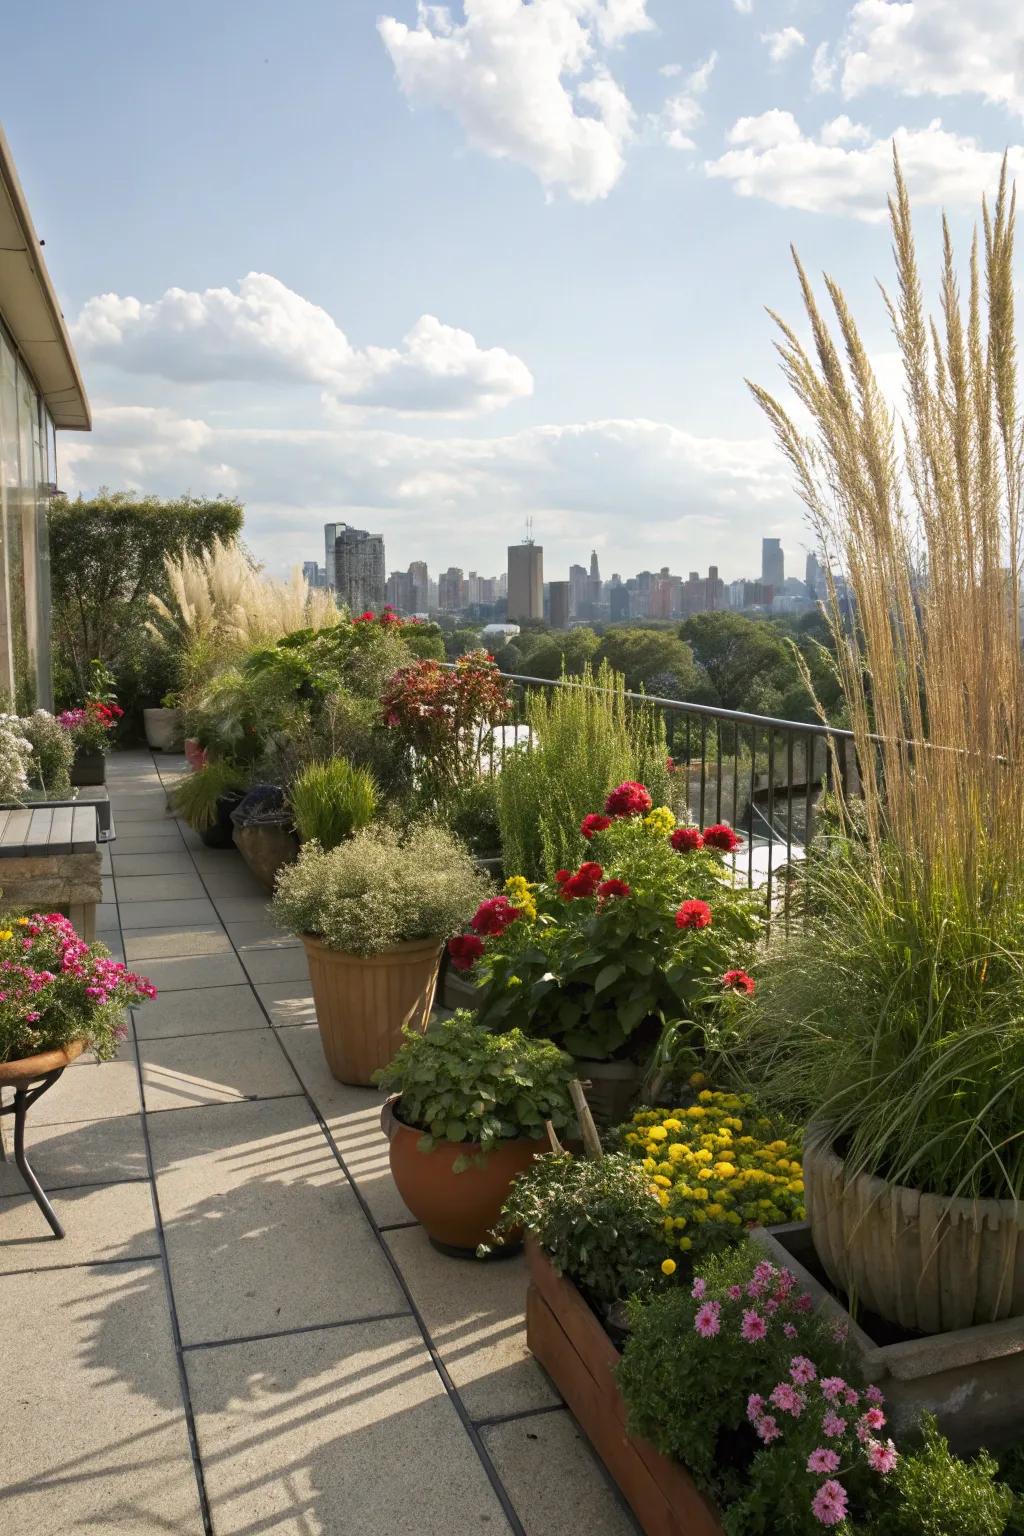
331 800
376 890
470 810
197 797
460 1083
934 1493
597 1219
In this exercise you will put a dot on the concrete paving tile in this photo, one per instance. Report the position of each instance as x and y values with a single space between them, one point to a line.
177 861
106 915
242 909
167 914
475 1314
106 890
189 836
353 1116
263 1231
266 966
147 817
174 942
231 879
106 867
288 1002
343 1431
214 1069
157 888
148 842
94 1091
555 1483
111 939
261 934
198 1012
109 1221
191 971
94 1431
125 1051
82 1152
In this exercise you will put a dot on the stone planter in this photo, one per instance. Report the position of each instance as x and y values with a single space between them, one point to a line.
572 1346
456 1210
266 848
972 1379
89 767
364 1001
922 1261
165 729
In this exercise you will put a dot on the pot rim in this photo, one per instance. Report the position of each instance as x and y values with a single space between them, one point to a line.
25 1068
818 1144
406 947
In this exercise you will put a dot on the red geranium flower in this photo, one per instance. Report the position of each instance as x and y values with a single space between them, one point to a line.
367 617
721 836
465 951
612 888
629 799
693 914
738 981
561 876
686 840
494 916
583 883
594 823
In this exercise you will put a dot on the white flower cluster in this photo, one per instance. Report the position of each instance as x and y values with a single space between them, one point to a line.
15 753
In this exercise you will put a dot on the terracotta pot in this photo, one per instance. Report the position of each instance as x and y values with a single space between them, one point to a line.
363 1002
29 1068
923 1261
266 849
195 755
456 1210
89 767
165 729
612 1088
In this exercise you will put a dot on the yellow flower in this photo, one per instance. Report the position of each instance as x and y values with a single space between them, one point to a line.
660 819
6 934
662 1182
658 1133
22 922
697 1079
672 1125
685 1244
668 1266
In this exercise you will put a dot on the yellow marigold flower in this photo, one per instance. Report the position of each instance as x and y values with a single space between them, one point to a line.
663 1198
22 922
677 1152
6 934
672 1124
685 1244
706 1096
703 1157
679 1223
662 1182
725 1170
696 1079
660 819
704 1173
795 1186
657 1133
696 1111
648 1165
715 1210
668 1266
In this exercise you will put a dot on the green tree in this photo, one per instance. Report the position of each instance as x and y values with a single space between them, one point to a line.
642 655
561 651
748 663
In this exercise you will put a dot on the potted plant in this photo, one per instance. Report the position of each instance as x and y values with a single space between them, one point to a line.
90 728
332 799
373 915
467 1115
604 959
264 832
206 799
165 727
53 753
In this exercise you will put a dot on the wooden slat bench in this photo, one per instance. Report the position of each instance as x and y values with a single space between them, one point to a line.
50 857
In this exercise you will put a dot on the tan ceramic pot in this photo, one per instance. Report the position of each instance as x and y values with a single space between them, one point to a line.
923 1261
29 1068
456 1210
363 1002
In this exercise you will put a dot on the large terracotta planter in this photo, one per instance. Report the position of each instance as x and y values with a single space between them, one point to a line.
363 1002
195 755
923 1261
29 1068
456 1210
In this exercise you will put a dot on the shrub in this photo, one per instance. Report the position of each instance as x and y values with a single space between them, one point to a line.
53 752
57 989
595 1218
375 891
934 1493
470 811
445 716
460 1083
331 800
15 758
197 796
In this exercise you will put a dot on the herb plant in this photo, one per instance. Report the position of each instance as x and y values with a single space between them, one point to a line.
934 1493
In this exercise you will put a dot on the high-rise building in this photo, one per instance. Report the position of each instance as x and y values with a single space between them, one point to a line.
558 594
420 586
331 531
715 597
358 568
773 564
525 581
618 603
451 595
400 592
311 573
579 590
814 576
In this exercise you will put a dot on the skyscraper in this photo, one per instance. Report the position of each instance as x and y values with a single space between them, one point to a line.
358 568
814 576
558 593
399 592
451 594
578 589
420 586
773 564
331 531
525 581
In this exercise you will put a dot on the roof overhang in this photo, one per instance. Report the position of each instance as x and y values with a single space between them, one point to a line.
29 307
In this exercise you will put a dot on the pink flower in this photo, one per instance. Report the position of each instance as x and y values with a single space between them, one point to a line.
753 1326
698 1289
873 1419
833 1388
881 1458
804 1303
833 1426
755 1407
823 1460
840 1332
768 1429
874 1395
786 1398
708 1321
802 1370
734 1293
851 1397
829 1503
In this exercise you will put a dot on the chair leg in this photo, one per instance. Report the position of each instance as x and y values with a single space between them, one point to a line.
21 1104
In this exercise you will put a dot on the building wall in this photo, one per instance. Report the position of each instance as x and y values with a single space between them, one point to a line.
525 581
27 467
359 569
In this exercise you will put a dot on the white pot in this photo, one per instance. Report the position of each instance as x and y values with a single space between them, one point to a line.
165 729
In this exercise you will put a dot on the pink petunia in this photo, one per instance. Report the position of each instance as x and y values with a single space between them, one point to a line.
833 1426
786 1398
833 1388
829 1503
823 1460
802 1370
882 1458
698 1288
768 1429
755 1407
753 1326
708 1320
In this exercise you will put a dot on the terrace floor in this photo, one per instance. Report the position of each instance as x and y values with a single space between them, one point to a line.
244 1331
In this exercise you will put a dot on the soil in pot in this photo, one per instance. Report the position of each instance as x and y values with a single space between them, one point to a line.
363 1002
220 832
456 1210
89 767
266 849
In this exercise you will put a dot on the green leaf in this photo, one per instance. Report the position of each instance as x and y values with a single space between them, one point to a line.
607 975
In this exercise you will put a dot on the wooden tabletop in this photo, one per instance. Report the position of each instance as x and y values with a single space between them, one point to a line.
26 833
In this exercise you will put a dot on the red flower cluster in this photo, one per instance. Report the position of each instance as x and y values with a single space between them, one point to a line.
686 840
693 914
494 916
594 823
738 981
629 799
722 837
609 889
583 883
465 950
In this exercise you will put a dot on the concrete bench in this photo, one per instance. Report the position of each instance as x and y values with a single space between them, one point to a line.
50 857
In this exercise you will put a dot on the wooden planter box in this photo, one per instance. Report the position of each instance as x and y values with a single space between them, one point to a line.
580 1358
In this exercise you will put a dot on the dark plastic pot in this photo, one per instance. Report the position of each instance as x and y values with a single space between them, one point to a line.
220 832
89 767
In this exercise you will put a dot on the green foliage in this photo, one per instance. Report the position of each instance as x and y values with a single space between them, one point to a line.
198 795
470 811
106 557
748 664
461 1083
331 800
934 1493
425 641
560 653
586 738
53 752
642 655
375 891
595 1218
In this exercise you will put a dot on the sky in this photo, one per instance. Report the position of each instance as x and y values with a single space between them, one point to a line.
435 270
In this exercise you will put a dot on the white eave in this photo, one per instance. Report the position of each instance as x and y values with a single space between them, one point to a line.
29 307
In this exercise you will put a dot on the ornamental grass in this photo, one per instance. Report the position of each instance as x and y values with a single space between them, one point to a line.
897 1020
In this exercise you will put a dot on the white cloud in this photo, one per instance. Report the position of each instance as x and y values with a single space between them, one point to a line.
783 43
823 69
671 71
743 6
528 82
683 112
773 159
264 332
937 47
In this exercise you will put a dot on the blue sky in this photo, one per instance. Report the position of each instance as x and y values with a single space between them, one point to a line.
434 271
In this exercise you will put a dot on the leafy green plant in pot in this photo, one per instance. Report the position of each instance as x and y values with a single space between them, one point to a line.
206 798
468 1116
331 800
373 915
